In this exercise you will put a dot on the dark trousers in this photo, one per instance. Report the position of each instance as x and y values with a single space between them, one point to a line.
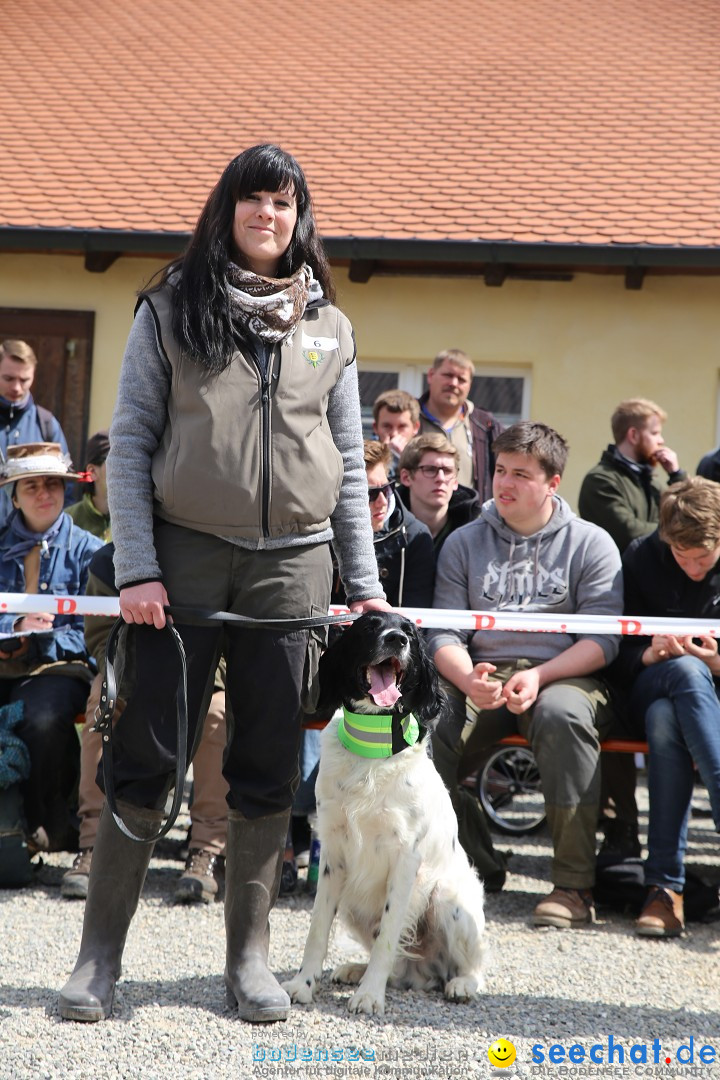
51 704
268 672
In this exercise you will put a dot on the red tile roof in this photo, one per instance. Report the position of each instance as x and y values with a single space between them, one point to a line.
568 121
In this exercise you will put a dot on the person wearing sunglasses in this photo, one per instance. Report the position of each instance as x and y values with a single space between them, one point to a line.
403 545
430 488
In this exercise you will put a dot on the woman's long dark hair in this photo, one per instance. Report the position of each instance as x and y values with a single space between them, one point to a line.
202 323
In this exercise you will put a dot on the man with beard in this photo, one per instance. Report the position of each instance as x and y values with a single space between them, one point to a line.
620 493
622 496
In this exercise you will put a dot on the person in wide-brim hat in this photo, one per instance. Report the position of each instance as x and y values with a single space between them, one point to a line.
37 459
43 552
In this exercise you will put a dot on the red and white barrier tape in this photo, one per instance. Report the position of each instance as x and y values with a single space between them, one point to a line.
429 618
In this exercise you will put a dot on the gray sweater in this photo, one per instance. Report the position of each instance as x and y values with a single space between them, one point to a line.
137 428
569 566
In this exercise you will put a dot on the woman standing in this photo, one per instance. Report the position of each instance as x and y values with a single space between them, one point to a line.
236 455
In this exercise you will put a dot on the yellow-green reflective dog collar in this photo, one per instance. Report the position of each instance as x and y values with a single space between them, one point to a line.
370 735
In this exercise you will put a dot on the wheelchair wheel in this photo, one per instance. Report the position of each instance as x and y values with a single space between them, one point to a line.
508 786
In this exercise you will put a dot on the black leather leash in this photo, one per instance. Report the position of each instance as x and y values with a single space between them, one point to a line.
200 617
109 695
103 724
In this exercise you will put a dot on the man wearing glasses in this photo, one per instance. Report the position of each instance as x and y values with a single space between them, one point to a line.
430 487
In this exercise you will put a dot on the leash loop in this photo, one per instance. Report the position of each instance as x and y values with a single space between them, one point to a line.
109 695
103 724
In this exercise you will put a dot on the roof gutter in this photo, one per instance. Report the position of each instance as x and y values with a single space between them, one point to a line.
380 249
546 254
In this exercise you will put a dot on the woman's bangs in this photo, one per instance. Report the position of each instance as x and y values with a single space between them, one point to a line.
271 175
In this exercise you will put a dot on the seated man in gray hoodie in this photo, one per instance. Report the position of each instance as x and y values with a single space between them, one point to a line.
528 552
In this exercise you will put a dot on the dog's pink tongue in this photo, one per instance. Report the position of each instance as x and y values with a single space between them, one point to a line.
383 688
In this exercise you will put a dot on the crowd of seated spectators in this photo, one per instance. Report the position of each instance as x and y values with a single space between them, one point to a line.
465 514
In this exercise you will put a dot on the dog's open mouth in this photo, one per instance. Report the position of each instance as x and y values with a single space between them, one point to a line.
384 681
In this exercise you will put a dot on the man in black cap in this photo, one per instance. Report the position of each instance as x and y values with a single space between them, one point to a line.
92 513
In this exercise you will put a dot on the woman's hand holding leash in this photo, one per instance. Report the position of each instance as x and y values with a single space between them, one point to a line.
144 603
361 606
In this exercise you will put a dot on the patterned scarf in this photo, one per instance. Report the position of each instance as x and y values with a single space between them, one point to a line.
270 308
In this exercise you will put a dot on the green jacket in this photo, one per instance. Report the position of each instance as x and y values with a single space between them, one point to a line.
87 516
622 500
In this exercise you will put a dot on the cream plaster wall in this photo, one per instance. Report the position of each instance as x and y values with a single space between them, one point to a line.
61 282
586 343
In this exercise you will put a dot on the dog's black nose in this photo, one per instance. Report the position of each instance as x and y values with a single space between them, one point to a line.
395 637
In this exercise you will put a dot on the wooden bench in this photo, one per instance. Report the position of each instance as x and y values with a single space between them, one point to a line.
608 746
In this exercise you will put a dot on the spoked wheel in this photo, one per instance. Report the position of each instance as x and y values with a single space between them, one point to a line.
508 786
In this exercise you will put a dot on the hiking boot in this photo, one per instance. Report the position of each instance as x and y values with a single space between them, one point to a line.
662 914
565 908
201 879
75 880
621 841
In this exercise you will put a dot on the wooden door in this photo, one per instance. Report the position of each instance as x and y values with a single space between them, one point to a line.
62 342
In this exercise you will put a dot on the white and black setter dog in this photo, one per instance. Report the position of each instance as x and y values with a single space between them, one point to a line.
390 863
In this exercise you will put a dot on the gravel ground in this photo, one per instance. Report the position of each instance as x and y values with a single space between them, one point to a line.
543 987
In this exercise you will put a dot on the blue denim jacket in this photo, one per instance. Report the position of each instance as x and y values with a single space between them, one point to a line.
64 570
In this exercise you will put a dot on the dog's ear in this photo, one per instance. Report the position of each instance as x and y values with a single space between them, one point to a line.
432 700
331 668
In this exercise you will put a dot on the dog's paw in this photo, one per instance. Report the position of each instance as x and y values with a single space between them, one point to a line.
365 1001
349 973
463 988
299 989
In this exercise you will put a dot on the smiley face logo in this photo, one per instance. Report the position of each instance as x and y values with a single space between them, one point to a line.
501 1053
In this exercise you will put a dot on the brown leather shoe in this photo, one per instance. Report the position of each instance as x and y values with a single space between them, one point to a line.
202 878
74 884
662 915
565 908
